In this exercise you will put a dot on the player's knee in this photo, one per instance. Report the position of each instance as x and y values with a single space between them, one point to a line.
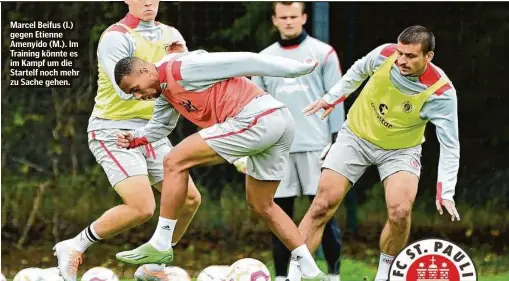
143 213
324 204
261 209
400 213
171 163
321 210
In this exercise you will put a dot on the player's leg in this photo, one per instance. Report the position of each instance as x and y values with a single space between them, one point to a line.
344 165
155 158
331 244
399 171
127 173
280 253
265 170
259 195
154 154
309 168
332 188
285 196
192 151
191 205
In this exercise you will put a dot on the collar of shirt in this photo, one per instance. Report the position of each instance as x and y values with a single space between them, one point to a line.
294 41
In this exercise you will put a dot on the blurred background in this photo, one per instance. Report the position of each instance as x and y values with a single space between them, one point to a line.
52 187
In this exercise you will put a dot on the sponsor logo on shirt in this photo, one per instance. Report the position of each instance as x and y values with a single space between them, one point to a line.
382 110
291 85
188 105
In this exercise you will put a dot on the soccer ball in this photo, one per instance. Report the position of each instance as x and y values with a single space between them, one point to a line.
51 274
99 274
29 274
38 274
248 270
213 273
176 273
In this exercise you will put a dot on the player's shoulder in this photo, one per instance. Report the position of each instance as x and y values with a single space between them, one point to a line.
114 37
433 74
271 49
318 44
166 26
323 49
386 50
128 21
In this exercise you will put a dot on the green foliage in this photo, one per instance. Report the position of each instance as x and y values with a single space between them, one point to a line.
261 34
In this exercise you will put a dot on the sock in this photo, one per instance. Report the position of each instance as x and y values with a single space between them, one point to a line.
383 267
280 278
86 238
161 240
334 277
306 262
294 271
154 267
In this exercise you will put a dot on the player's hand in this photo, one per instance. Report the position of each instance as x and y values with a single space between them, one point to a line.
124 139
176 47
317 105
241 164
449 206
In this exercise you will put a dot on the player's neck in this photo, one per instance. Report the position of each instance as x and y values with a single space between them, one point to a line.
293 41
132 18
418 74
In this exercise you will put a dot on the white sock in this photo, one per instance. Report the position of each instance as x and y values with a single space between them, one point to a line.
161 240
383 267
86 238
154 267
280 278
334 277
294 271
306 262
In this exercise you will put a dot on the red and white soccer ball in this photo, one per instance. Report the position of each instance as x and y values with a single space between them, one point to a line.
213 273
99 274
176 273
248 270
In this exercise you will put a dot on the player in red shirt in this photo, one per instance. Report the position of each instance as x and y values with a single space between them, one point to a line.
238 119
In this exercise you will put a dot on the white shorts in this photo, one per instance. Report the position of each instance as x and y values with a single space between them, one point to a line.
264 136
351 156
301 176
121 163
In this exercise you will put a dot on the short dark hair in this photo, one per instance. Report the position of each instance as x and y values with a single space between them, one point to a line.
416 34
287 3
124 67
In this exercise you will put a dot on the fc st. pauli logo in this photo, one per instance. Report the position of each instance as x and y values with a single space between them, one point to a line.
432 260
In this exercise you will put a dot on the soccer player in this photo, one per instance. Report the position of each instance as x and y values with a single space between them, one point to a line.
238 119
127 170
385 127
312 135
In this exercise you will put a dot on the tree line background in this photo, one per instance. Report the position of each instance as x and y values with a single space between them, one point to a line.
52 187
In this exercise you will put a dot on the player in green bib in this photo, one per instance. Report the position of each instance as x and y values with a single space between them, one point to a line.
130 172
385 127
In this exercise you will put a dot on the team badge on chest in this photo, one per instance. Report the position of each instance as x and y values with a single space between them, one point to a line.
407 107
